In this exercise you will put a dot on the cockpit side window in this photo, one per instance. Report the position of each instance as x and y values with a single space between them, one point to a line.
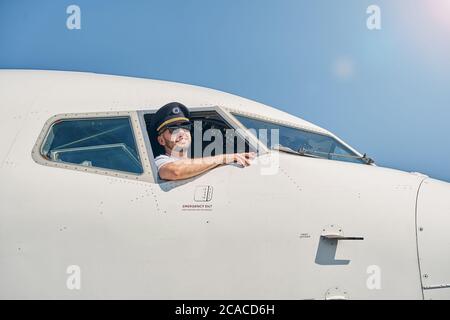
106 143
209 128
298 140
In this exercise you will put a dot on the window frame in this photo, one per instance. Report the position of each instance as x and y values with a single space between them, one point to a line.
234 112
221 111
136 129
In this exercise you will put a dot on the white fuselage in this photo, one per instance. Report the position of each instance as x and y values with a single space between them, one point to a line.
252 235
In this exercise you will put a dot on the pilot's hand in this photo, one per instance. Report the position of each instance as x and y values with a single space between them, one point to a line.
242 159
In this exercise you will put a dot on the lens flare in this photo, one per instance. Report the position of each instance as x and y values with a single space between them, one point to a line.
423 29
439 11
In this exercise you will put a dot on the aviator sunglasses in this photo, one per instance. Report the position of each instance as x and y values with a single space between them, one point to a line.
185 126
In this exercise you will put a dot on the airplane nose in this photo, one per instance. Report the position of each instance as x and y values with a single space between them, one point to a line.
433 235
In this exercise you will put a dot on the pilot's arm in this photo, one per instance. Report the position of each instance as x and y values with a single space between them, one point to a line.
187 168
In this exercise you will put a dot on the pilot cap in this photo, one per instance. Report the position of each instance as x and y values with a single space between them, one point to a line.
169 114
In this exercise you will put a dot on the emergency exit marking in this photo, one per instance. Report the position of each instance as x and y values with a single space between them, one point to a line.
203 193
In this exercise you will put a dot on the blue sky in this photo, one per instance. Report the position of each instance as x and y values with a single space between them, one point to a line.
386 92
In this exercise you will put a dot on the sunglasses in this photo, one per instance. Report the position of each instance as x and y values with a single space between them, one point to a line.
186 126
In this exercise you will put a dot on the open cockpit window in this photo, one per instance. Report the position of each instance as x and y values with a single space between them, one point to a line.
106 143
301 141
211 135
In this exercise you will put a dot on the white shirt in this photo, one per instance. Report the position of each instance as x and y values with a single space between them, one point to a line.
163 159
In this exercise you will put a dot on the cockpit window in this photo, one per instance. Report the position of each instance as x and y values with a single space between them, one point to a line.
203 122
106 143
301 141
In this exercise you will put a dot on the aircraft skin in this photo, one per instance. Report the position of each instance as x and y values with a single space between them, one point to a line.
253 236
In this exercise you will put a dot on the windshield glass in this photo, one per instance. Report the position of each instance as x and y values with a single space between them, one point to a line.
302 141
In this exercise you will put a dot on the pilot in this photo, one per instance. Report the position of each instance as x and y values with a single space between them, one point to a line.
171 126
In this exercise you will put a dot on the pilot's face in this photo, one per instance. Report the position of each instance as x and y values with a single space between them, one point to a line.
177 139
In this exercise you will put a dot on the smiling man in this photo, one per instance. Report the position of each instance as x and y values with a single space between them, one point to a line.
172 127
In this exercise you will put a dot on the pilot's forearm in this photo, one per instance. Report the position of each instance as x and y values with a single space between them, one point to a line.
184 169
